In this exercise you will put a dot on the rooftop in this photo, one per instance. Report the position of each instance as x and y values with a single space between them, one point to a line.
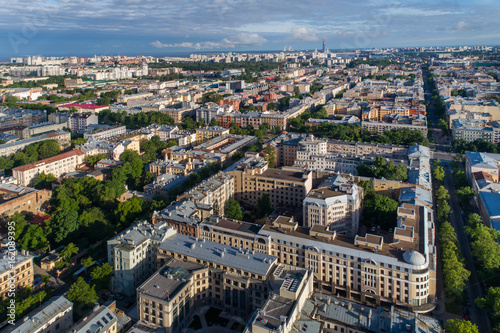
250 261
49 160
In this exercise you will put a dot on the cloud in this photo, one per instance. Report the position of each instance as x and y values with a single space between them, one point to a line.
239 40
302 35
462 25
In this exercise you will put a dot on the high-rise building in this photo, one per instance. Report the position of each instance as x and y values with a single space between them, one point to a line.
324 46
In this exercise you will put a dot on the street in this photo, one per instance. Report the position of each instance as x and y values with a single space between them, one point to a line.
473 289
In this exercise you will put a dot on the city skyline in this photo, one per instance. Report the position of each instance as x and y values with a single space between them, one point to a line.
52 28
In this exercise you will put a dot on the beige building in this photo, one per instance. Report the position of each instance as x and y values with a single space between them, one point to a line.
56 165
285 188
213 192
207 133
19 276
20 199
336 204
235 280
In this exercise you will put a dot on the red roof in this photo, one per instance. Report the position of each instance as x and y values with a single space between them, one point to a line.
48 160
84 106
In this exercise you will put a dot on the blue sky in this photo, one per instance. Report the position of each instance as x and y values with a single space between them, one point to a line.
150 27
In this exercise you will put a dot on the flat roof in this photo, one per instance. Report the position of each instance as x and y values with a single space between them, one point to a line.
169 280
295 176
250 261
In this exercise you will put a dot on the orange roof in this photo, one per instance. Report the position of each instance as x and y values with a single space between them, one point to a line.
48 160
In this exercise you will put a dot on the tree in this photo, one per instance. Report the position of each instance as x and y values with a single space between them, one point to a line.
233 209
46 279
213 122
129 210
465 195
491 302
485 246
93 159
87 262
44 181
438 173
64 222
263 205
460 178
101 275
270 156
460 326
442 194
69 251
82 293
48 148
380 210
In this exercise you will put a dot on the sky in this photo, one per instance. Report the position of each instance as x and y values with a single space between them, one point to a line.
175 27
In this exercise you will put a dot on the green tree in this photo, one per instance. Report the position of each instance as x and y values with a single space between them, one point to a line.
129 210
233 209
270 156
93 159
46 279
465 195
101 275
491 302
44 181
82 293
485 246
380 210
64 222
48 148
263 205
213 122
69 251
87 262
460 326
438 173
442 194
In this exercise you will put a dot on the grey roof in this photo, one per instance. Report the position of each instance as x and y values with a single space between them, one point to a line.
251 261
5 261
483 160
181 211
99 321
39 317
415 196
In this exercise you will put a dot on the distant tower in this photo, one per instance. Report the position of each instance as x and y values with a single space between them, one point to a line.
324 46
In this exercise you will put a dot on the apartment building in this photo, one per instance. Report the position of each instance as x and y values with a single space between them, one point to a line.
336 204
132 253
207 133
285 188
355 148
10 118
175 167
104 133
227 144
414 123
56 165
16 271
195 272
235 233
55 315
184 216
395 268
213 192
476 129
102 320
78 122
20 199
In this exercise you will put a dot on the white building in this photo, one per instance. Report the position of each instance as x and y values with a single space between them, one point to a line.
56 165
78 122
336 203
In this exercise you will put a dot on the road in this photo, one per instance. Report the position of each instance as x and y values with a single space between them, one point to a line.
473 290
